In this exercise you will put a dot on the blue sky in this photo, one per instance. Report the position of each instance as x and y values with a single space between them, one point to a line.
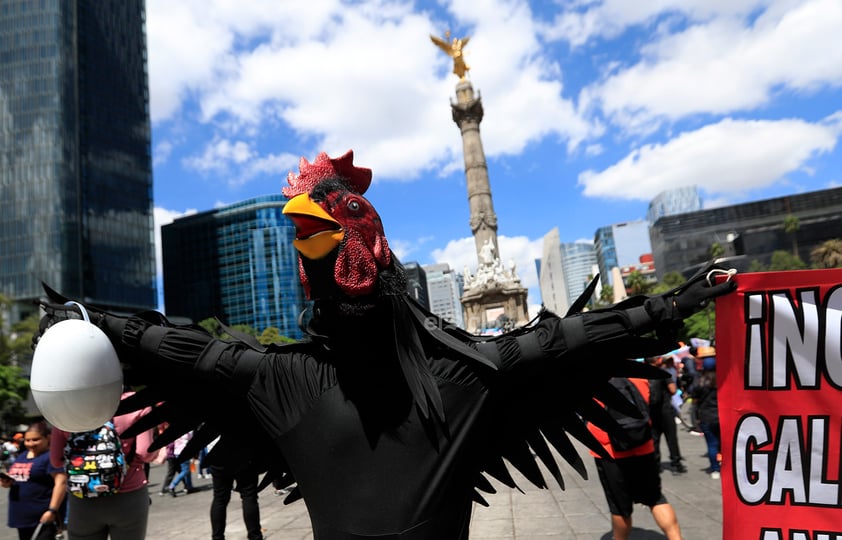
591 108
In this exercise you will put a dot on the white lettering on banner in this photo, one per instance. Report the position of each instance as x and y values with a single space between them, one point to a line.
768 475
793 341
798 534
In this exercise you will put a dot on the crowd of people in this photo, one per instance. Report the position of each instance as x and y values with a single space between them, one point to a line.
49 497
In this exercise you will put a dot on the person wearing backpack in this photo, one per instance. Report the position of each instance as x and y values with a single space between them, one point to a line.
633 475
111 502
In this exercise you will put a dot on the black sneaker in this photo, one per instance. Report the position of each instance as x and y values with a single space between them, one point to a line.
679 468
172 492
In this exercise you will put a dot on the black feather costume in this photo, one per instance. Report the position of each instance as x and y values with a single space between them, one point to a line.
388 418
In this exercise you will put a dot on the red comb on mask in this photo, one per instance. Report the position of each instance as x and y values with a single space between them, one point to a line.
357 178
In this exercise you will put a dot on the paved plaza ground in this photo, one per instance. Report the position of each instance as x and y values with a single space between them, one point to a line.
577 513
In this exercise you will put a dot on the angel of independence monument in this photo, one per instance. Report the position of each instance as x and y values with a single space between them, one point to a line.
493 296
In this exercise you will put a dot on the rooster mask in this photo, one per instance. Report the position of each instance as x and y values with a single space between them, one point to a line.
338 232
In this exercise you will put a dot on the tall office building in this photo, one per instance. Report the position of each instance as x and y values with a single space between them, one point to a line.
75 161
674 201
579 260
564 271
444 289
747 232
619 245
551 278
236 263
416 283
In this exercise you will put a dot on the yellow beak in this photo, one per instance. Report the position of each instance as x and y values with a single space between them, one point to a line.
316 232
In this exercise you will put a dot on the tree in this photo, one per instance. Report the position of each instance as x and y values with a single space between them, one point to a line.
15 348
757 266
828 254
783 260
214 328
272 335
791 226
637 283
716 251
269 335
670 281
606 296
701 324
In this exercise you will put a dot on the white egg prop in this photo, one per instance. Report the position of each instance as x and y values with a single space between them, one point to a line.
76 378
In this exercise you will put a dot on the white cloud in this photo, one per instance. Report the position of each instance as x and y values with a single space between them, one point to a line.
219 155
728 157
161 153
586 20
462 253
724 66
362 75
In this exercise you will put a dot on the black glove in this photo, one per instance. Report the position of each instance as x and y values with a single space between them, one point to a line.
57 308
690 297
54 313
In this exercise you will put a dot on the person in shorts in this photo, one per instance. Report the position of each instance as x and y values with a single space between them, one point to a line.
633 476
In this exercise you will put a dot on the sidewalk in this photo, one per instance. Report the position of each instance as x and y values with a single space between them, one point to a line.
579 512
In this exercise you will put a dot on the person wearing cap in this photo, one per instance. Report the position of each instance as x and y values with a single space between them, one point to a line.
707 408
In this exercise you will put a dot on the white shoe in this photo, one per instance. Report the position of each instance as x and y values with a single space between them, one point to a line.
715 475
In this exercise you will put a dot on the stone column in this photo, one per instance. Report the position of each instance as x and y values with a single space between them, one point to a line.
467 113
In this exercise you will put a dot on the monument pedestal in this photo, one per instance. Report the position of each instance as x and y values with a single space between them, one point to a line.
494 300
495 307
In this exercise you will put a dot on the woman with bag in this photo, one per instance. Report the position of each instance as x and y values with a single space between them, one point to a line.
123 514
36 488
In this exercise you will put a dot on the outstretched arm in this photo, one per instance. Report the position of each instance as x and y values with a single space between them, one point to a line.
612 328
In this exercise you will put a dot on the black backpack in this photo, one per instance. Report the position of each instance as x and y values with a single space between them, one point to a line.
634 431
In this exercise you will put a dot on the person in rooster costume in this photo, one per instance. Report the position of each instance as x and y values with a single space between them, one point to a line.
387 419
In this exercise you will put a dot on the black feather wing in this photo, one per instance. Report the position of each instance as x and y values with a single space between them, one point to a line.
540 408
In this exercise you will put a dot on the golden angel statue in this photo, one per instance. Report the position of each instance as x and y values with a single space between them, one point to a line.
454 50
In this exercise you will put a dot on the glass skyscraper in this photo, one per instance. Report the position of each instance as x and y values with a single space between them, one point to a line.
75 163
236 263
619 245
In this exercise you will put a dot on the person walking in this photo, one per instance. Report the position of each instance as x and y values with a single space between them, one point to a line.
663 414
633 476
36 487
184 474
246 477
172 468
707 408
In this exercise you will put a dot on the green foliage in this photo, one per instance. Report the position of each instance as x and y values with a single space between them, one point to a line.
784 260
701 325
757 266
716 250
268 336
637 283
272 335
670 281
13 391
828 254
212 326
606 296
15 348
791 227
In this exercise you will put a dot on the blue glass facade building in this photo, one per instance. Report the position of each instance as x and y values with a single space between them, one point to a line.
578 260
236 263
619 245
75 160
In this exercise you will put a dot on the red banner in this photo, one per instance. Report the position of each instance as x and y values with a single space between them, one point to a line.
779 374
